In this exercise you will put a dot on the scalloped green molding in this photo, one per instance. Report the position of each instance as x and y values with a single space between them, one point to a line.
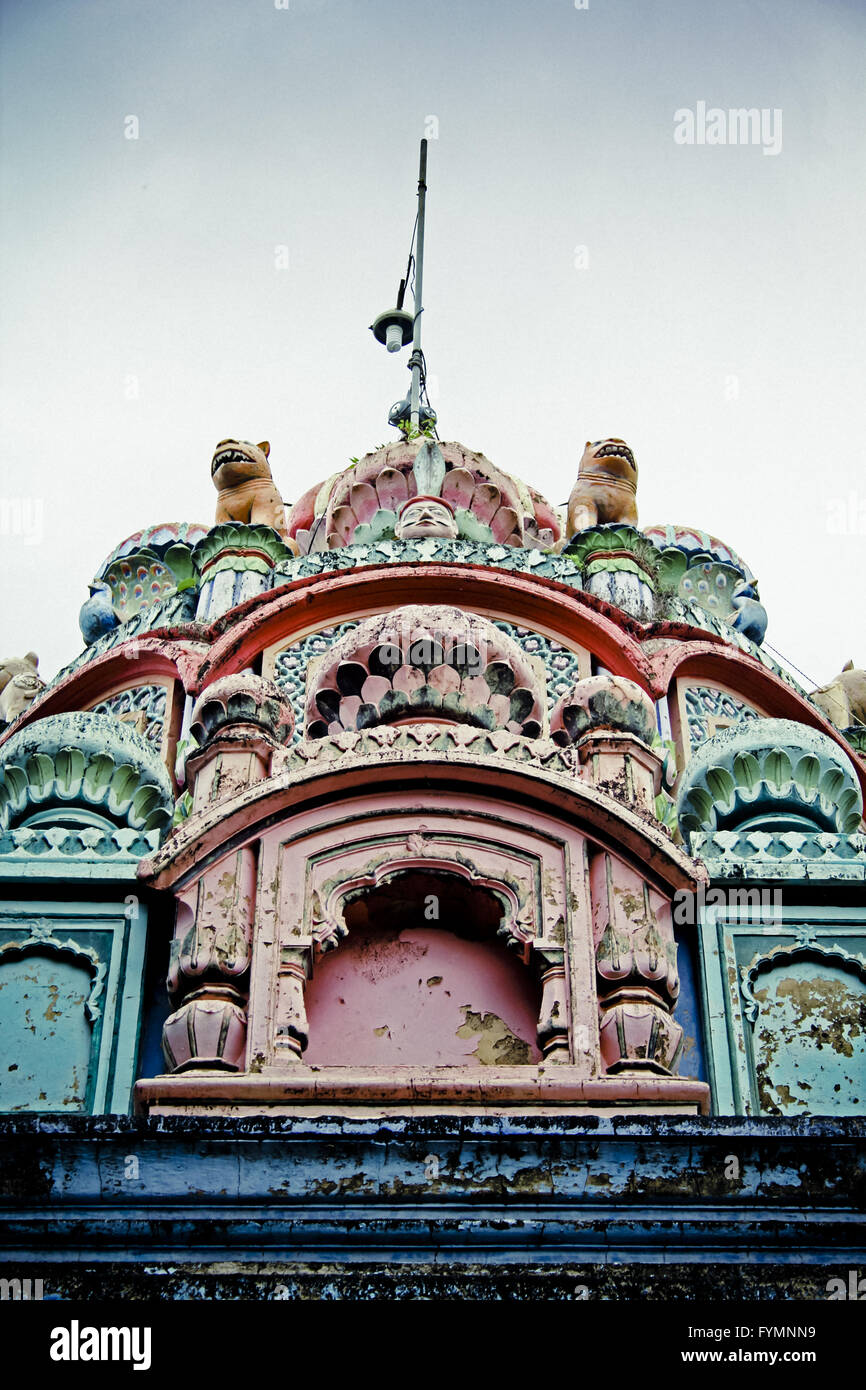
232 537
69 764
770 774
591 544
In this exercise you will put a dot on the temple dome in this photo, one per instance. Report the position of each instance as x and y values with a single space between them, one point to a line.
363 502
705 571
140 572
158 538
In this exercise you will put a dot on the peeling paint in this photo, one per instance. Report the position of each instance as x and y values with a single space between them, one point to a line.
497 1045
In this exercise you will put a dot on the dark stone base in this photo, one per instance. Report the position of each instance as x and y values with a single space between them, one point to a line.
532 1208
677 1283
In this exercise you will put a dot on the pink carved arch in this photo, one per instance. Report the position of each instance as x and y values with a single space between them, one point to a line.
746 678
518 927
422 662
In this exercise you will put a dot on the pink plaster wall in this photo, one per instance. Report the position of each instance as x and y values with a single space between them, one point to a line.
421 995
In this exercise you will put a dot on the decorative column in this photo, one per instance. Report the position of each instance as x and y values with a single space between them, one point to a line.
618 565
209 970
235 562
291 1033
239 722
611 722
636 970
552 1031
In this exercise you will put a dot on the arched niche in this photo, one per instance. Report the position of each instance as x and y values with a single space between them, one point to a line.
423 976
807 1007
48 1009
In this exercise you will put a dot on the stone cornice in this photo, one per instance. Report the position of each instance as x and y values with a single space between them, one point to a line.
350 764
60 853
787 856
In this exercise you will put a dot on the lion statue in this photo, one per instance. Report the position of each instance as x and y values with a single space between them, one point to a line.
606 487
245 489
844 699
19 685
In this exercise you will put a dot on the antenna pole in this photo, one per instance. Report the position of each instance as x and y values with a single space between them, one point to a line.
416 359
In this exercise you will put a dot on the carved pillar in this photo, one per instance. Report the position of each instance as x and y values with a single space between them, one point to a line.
235 562
239 722
636 970
553 1017
611 722
621 764
291 1033
209 970
618 565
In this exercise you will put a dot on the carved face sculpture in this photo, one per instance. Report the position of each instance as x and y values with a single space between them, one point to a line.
236 461
426 516
609 456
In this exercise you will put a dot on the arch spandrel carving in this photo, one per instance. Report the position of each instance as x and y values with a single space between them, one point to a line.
328 898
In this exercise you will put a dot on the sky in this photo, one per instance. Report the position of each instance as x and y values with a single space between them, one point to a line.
205 203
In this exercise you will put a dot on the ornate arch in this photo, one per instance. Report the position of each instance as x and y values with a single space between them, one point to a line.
423 662
765 961
328 928
41 942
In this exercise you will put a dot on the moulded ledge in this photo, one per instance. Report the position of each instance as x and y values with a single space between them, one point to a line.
496 1090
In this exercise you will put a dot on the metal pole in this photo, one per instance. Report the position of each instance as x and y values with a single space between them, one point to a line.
415 397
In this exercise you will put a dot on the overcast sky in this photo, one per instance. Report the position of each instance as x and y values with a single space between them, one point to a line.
586 273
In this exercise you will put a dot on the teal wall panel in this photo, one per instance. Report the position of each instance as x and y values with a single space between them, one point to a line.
784 992
70 1004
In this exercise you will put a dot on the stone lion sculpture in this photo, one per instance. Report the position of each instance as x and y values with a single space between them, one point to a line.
19 685
606 487
246 491
844 699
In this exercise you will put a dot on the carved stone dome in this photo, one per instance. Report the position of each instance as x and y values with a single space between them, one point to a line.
242 699
603 702
363 503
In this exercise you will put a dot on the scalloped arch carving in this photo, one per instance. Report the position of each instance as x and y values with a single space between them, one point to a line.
803 950
422 663
41 942
518 927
